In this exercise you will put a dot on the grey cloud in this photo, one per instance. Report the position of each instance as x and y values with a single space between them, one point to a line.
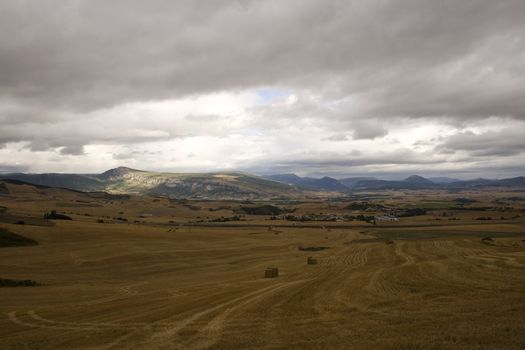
86 54
129 153
504 143
71 137
74 150
364 64
6 168
395 165
345 163
336 137
368 130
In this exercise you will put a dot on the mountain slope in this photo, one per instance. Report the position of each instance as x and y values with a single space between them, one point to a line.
126 180
323 184
370 183
411 182
118 173
443 180
417 180
351 181
234 185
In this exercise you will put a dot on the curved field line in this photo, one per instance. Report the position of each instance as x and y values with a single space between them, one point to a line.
409 260
166 337
42 322
210 334
171 329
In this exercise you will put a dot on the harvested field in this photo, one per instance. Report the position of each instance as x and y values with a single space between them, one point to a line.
154 285
120 287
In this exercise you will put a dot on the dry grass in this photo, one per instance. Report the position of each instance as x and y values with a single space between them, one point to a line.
146 286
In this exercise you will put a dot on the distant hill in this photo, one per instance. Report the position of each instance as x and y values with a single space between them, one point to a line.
323 184
418 180
412 182
347 184
118 173
514 182
225 185
236 185
351 181
477 183
443 180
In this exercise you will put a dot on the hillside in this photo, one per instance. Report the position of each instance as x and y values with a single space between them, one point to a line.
10 239
323 184
225 185
413 182
235 185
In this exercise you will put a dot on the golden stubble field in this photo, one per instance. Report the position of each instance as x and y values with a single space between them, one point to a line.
149 286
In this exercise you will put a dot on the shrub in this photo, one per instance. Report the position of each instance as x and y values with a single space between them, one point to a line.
265 210
413 212
4 282
53 215
487 240
312 249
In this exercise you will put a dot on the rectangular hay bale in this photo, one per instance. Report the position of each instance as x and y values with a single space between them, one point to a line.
311 261
271 272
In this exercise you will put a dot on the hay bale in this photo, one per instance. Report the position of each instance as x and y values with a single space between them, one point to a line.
311 260
271 272
487 240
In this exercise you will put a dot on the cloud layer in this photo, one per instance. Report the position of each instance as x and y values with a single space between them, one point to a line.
313 87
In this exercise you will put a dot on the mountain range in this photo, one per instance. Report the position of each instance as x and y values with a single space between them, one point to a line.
225 185
411 182
238 185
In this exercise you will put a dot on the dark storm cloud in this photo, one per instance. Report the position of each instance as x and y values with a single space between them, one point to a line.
87 54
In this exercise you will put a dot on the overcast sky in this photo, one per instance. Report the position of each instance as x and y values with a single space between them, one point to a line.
339 88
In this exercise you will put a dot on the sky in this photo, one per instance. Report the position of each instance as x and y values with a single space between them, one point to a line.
338 88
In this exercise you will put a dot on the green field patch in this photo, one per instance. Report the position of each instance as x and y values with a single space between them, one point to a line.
434 205
440 233
78 205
